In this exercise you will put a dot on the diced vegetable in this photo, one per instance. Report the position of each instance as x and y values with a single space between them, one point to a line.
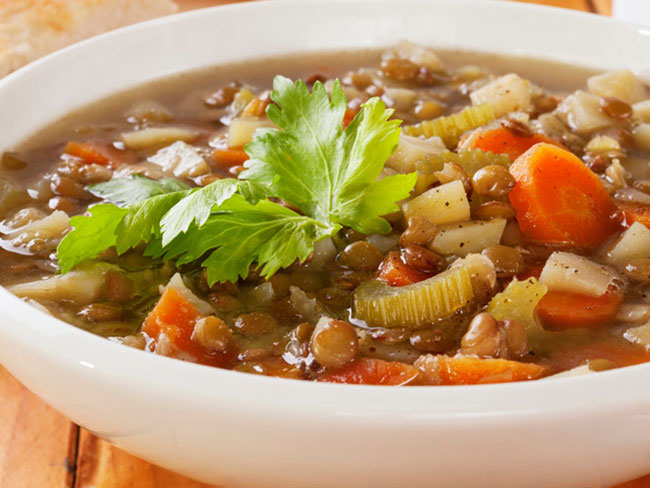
471 161
179 285
412 149
241 130
97 153
506 94
633 313
441 205
564 310
571 273
370 371
634 243
642 110
621 84
451 127
642 136
81 287
229 157
157 137
396 272
419 304
639 335
504 141
467 237
181 159
602 144
582 113
518 302
471 370
558 200
399 98
47 231
242 98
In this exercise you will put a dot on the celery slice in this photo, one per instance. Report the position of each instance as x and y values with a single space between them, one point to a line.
449 128
416 305
518 302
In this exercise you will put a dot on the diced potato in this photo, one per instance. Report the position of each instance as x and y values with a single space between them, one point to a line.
412 149
241 130
639 335
582 112
440 205
634 243
181 159
506 94
467 237
242 98
550 125
622 84
642 136
603 144
420 55
157 136
80 286
634 313
568 272
642 110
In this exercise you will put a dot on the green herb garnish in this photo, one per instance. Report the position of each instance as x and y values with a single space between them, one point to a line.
327 172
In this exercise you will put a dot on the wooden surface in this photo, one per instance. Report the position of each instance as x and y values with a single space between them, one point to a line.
42 449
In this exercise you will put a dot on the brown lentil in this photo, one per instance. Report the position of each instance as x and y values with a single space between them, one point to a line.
420 231
334 343
428 109
422 259
516 338
517 127
431 340
399 69
493 181
117 287
483 337
616 109
495 209
12 161
360 256
507 260
102 312
67 187
222 96
360 81
452 172
512 235
212 333
255 323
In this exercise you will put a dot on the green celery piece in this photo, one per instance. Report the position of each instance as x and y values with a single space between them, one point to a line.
327 172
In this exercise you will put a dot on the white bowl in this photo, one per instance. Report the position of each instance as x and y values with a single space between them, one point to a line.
243 430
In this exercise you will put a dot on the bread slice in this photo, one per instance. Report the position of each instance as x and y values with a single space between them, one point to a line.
30 29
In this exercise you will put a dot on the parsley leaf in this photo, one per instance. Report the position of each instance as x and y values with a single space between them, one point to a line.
241 233
196 208
327 172
129 191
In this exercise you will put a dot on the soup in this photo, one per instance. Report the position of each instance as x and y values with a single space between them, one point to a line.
402 217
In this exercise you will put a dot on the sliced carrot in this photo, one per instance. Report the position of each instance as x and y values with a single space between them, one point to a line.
471 370
618 350
174 316
370 371
559 200
396 272
504 141
228 157
634 213
562 310
97 153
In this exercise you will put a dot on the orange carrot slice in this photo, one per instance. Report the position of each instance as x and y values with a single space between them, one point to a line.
396 272
370 371
175 317
504 141
97 153
559 200
634 213
561 310
471 370
229 157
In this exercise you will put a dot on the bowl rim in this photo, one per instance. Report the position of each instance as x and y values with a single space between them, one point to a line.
80 349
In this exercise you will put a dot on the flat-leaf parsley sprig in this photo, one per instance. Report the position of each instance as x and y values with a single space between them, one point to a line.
310 161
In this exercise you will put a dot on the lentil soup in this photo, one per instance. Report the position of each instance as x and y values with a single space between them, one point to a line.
395 217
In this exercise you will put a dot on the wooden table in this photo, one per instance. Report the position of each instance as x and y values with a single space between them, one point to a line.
42 449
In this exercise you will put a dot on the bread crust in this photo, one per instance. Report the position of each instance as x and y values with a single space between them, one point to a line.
30 29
